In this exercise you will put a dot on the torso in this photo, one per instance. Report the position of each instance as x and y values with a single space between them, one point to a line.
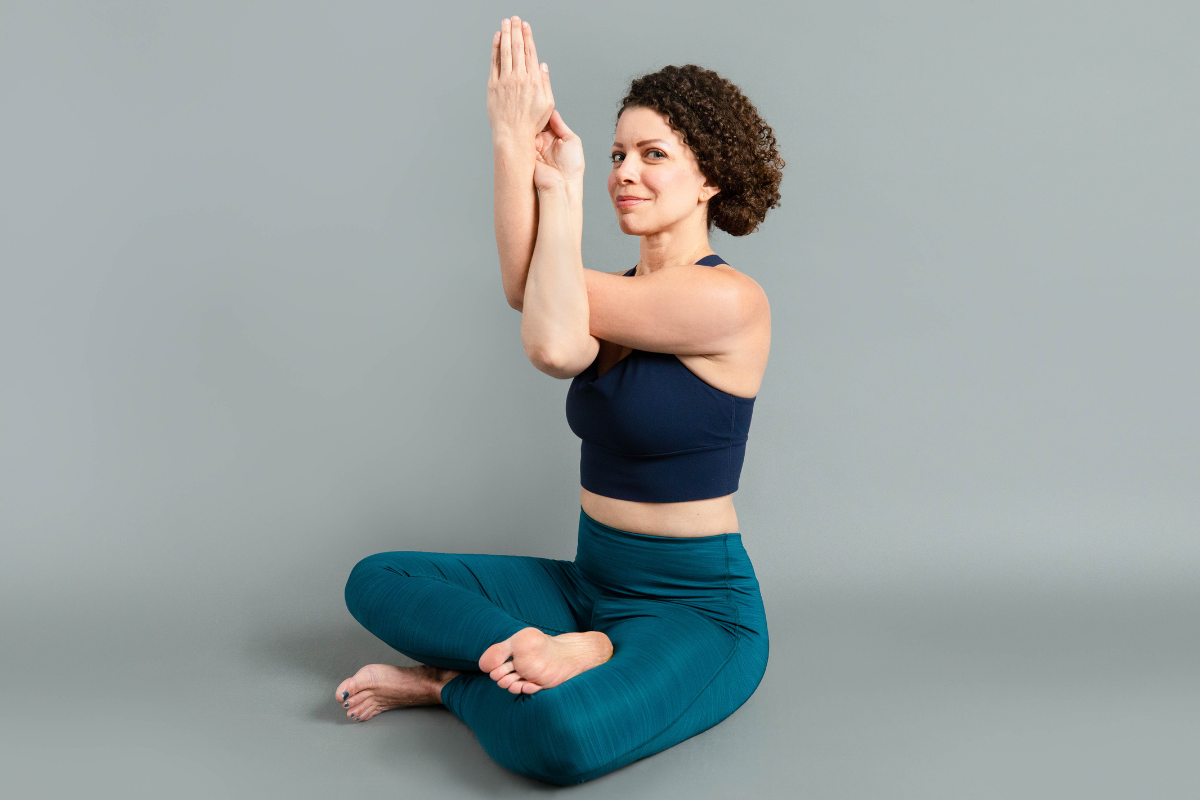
739 373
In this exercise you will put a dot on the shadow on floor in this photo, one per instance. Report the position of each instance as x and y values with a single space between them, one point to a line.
328 654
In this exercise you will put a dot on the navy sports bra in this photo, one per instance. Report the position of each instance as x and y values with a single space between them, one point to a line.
654 431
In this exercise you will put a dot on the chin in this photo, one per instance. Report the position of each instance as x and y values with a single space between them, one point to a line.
634 227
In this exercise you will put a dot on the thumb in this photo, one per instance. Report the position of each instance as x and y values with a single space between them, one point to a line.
559 127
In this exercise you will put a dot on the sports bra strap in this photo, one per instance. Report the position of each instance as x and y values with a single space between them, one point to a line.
707 261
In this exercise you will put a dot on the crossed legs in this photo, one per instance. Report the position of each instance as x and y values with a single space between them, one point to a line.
445 593
627 676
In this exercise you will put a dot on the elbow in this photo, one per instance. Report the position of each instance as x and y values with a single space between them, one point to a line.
551 362
514 292
545 359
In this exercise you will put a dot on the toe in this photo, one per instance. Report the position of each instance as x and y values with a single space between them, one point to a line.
508 680
347 688
495 655
358 704
504 669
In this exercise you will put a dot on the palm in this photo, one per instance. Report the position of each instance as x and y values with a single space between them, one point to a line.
558 159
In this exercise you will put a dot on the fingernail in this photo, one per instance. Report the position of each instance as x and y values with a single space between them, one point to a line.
545 68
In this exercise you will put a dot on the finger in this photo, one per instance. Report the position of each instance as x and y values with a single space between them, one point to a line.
505 46
518 46
531 60
559 127
495 70
546 83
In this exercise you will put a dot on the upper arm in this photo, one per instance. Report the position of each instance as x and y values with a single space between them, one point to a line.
686 310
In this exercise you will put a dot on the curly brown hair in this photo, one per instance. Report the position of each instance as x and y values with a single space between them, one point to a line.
733 145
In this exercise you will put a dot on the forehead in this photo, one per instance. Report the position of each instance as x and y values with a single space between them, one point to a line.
638 124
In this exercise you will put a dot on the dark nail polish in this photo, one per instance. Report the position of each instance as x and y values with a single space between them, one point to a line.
345 695
345 705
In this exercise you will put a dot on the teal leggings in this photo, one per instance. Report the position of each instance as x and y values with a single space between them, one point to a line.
685 617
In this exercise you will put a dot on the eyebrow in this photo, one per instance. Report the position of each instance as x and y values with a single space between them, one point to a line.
643 143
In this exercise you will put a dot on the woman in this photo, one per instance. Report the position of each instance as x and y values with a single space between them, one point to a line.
567 670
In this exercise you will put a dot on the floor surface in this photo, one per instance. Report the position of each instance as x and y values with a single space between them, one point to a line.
994 692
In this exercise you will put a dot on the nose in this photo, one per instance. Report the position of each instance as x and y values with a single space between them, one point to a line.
625 172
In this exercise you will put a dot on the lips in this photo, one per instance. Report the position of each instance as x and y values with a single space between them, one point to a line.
629 201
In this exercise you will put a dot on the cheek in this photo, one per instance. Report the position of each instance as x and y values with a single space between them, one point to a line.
672 184
612 181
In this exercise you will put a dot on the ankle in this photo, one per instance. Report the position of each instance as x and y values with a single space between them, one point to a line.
437 679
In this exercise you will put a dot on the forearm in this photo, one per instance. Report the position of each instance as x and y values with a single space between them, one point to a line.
515 210
555 317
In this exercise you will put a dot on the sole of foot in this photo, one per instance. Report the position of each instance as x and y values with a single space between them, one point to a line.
381 687
529 660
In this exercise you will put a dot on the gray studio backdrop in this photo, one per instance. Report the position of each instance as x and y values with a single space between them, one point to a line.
252 330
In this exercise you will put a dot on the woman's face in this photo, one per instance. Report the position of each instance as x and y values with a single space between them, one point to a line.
655 181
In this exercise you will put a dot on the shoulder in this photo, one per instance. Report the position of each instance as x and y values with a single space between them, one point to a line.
747 290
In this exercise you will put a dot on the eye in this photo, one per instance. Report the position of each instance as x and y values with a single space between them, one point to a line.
655 150
618 157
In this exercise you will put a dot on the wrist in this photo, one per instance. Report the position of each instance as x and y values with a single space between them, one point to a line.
567 187
512 144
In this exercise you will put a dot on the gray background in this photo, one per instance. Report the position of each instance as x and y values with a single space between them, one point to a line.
252 330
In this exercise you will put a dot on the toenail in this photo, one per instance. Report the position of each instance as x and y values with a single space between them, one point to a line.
345 705
345 695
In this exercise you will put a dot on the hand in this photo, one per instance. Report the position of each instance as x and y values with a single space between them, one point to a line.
559 155
519 100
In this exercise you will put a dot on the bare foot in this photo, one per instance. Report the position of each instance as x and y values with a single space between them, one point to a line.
539 661
381 687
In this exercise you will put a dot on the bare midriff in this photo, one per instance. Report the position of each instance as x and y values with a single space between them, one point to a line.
709 517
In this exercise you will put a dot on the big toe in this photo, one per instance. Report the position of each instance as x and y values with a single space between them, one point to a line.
496 655
348 688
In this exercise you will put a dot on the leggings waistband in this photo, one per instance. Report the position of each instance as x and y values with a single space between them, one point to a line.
666 567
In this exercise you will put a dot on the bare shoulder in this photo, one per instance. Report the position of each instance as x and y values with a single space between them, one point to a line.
751 292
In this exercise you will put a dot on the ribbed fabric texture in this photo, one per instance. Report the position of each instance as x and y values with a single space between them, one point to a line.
685 616
655 432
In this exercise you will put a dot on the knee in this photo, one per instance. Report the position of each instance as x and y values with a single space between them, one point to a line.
366 573
561 742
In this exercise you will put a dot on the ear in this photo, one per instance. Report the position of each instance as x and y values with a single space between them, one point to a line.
708 191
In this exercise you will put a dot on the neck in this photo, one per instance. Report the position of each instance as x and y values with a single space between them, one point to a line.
685 242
